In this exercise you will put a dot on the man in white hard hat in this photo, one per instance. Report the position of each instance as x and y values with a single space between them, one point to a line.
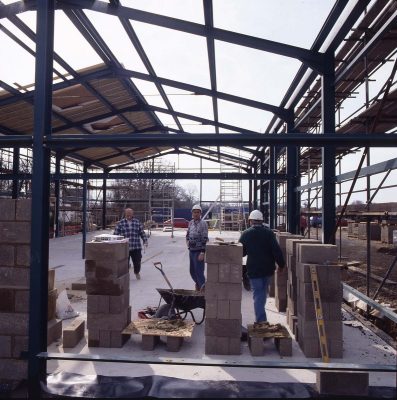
263 252
196 240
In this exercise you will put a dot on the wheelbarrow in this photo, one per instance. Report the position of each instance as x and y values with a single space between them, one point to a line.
179 302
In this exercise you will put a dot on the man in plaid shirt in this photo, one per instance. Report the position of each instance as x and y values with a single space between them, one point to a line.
132 229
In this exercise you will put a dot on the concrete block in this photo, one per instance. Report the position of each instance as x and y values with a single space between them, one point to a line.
308 329
104 338
23 210
236 273
223 311
235 309
73 333
106 252
10 276
149 342
51 279
52 304
13 369
211 309
117 339
7 255
7 207
174 343
223 327
226 254
223 291
331 311
255 345
22 301
210 344
281 239
281 304
7 296
54 330
327 293
113 287
224 273
271 291
109 321
15 232
20 344
97 304
329 273
212 273
104 270
342 383
291 244
119 303
14 324
234 346
317 253
5 346
284 346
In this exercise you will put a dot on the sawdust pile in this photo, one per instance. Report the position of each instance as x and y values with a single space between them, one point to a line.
167 325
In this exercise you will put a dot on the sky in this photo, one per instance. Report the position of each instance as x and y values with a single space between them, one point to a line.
183 57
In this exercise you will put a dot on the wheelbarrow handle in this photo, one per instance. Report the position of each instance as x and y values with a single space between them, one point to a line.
162 272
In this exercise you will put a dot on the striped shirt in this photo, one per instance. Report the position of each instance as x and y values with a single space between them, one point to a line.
133 230
197 235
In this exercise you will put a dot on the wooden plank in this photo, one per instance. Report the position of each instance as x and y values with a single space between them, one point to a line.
160 327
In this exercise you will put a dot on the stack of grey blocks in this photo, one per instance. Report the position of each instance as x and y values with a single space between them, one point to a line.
280 279
386 233
108 293
292 288
324 257
223 295
374 231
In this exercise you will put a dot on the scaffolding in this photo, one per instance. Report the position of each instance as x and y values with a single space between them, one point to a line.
232 217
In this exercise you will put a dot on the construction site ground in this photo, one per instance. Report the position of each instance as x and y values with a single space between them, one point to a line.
361 345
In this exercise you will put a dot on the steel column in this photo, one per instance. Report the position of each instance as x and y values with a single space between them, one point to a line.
328 153
57 193
40 196
273 190
104 190
84 218
15 171
293 196
261 186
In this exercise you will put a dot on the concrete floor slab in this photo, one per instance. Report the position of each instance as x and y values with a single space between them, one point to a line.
361 346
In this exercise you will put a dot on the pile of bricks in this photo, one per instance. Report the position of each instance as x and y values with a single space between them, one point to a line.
280 278
15 225
330 287
292 289
352 229
108 293
223 299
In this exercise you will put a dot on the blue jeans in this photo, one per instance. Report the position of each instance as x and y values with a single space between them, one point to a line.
259 287
196 268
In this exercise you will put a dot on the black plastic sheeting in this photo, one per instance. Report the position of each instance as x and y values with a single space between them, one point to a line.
66 385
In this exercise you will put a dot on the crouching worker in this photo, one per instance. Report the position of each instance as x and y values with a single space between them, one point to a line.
196 240
263 251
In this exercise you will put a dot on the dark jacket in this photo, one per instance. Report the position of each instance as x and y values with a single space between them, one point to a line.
263 251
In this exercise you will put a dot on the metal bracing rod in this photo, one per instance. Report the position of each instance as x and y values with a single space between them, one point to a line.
379 187
385 278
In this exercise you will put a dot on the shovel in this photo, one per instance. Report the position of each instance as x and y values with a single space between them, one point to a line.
159 266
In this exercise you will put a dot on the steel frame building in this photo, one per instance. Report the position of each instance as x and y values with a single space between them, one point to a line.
274 161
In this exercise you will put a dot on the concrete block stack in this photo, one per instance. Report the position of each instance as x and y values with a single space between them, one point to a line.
374 231
223 299
387 232
292 288
329 279
352 229
280 279
15 222
54 325
108 293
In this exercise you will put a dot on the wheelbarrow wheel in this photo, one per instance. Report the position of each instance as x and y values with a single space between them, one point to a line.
165 311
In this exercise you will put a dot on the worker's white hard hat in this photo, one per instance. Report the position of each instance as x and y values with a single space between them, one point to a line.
256 215
197 207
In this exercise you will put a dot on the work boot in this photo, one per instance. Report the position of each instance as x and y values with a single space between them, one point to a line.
138 276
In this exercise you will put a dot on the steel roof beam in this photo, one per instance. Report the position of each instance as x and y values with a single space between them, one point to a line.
312 58
246 139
